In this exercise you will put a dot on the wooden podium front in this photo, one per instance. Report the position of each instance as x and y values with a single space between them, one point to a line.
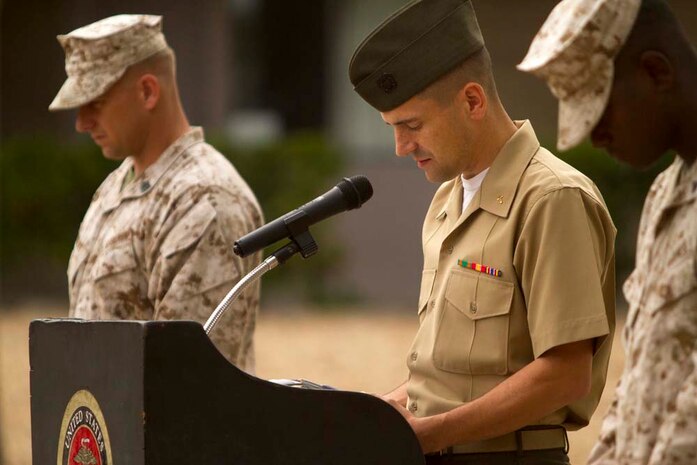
160 393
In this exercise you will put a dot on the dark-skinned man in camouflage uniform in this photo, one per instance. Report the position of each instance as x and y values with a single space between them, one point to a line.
635 95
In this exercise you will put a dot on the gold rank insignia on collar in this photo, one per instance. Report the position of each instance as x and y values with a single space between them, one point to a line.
480 268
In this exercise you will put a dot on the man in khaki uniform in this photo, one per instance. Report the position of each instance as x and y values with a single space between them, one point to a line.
624 72
516 306
156 242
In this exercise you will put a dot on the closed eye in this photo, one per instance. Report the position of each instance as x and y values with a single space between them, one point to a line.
97 104
409 123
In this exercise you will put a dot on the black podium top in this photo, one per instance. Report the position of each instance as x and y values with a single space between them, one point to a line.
156 393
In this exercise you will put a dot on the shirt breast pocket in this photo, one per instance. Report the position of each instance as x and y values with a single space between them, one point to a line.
473 330
671 284
116 260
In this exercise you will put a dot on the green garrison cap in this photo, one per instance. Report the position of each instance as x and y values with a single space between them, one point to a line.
412 48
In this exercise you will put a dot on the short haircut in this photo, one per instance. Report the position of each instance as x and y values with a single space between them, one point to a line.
162 64
476 68
656 28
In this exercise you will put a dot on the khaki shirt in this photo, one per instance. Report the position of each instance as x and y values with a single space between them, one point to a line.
545 227
653 419
161 247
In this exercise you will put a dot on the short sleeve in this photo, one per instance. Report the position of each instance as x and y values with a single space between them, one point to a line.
562 258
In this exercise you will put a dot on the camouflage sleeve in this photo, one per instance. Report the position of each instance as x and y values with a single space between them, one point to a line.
603 453
194 268
677 438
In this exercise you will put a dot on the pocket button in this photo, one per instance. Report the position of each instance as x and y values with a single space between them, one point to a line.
473 307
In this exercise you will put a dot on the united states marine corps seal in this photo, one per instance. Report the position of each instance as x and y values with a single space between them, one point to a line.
84 439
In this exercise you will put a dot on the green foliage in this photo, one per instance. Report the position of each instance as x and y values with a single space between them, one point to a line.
624 189
285 175
46 186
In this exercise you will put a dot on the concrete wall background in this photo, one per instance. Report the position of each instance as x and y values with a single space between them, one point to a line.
32 65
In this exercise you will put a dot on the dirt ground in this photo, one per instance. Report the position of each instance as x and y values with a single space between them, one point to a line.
347 349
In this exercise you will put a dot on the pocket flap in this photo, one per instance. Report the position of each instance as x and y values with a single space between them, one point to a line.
673 283
114 260
76 259
190 229
478 296
631 289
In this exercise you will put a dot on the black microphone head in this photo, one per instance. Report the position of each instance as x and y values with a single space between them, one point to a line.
357 190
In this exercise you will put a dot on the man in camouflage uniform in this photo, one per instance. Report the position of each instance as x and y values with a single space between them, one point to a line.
156 242
649 108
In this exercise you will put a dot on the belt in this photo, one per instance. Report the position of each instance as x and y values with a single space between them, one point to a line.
528 438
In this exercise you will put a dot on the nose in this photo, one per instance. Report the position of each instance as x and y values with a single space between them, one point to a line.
404 144
84 121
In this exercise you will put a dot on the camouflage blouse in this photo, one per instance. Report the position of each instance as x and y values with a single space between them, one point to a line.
653 419
160 246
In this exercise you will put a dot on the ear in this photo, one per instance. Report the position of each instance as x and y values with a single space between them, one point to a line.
474 99
658 68
149 91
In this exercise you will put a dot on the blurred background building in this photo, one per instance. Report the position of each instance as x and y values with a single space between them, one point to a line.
259 71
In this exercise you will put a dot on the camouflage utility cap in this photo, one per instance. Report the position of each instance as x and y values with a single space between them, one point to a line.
412 48
574 53
97 55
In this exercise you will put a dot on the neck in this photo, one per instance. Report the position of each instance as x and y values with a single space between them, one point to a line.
166 126
498 129
684 142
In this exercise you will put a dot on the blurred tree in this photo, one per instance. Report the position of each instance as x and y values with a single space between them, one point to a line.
284 175
45 188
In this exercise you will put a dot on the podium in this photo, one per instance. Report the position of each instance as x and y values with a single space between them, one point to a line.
156 393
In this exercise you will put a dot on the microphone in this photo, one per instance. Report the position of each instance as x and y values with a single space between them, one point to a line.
348 194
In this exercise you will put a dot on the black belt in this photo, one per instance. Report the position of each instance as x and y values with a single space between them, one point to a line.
526 439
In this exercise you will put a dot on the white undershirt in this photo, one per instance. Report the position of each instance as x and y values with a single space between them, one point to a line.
470 187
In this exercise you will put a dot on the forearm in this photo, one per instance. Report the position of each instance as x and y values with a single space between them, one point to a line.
399 395
545 385
519 401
